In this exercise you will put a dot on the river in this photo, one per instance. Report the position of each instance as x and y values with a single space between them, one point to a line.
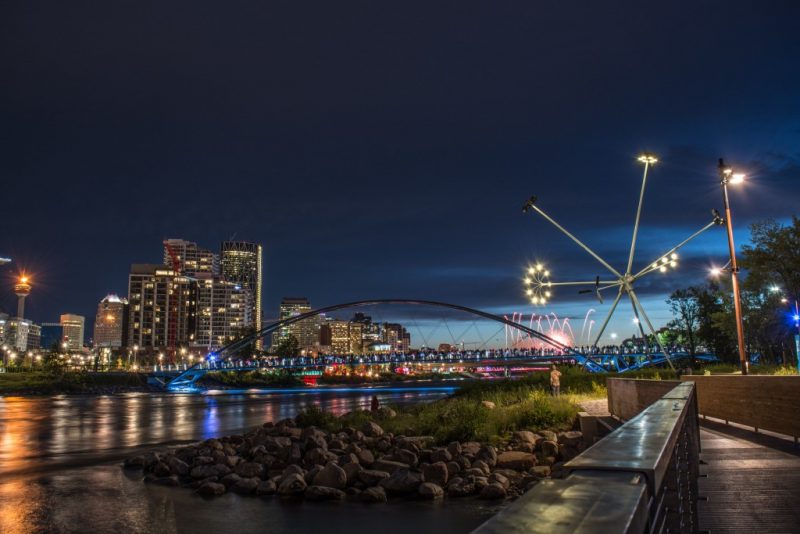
60 466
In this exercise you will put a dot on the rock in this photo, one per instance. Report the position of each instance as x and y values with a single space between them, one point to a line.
373 495
406 457
389 466
573 438
488 454
480 483
489 405
365 457
541 471
347 458
549 460
136 462
453 468
549 448
372 477
441 455
245 486
311 473
473 471
470 448
436 473
497 478
293 469
402 481
459 487
525 436
230 479
429 490
454 448
371 429
292 484
520 461
483 466
524 447
211 489
351 470
311 432
320 457
549 435
387 413
493 491
249 470
331 476
323 493
266 487
161 470
464 462
213 444
206 471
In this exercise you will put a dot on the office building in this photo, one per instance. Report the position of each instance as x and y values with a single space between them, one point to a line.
222 312
306 332
396 337
73 330
111 322
240 263
161 308
21 334
188 259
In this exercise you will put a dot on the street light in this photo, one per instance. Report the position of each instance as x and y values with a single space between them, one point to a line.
727 176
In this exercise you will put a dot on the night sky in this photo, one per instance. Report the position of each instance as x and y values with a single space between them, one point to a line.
384 149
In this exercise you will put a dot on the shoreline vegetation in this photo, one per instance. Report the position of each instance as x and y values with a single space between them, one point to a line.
59 382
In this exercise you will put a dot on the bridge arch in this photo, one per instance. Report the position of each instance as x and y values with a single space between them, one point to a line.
232 348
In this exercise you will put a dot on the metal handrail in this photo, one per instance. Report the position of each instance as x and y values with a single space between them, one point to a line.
640 478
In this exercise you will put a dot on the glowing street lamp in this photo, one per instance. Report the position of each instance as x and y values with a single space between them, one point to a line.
727 176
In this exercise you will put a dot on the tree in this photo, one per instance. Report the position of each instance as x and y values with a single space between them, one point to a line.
773 258
685 308
248 350
287 347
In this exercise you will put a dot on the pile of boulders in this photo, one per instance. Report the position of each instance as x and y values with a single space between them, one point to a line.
365 464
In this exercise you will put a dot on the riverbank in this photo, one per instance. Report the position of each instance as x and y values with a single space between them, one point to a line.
492 441
34 383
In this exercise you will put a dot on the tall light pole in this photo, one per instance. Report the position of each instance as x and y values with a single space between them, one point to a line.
727 176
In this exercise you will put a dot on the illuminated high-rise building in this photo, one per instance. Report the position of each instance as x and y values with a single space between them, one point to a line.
222 312
111 322
73 330
306 331
161 308
189 259
240 263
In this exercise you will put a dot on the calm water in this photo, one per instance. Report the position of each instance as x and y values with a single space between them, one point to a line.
59 467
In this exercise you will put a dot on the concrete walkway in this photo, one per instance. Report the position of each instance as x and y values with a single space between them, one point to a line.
751 482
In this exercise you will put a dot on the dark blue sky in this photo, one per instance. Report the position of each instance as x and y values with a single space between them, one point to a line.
382 150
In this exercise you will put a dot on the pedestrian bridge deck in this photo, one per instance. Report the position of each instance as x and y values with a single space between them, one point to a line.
749 482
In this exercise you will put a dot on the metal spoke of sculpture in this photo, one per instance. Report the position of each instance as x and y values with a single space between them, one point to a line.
539 287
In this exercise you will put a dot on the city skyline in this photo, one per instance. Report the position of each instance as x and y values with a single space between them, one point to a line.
378 172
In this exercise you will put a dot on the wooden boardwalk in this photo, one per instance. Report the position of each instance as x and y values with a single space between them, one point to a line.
751 482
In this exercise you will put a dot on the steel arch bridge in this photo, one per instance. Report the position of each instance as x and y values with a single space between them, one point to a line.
592 363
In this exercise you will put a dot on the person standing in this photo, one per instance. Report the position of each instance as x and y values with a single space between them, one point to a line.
555 381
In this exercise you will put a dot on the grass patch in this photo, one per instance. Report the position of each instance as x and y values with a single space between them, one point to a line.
519 405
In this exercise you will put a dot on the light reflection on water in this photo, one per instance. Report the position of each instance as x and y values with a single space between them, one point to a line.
59 464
